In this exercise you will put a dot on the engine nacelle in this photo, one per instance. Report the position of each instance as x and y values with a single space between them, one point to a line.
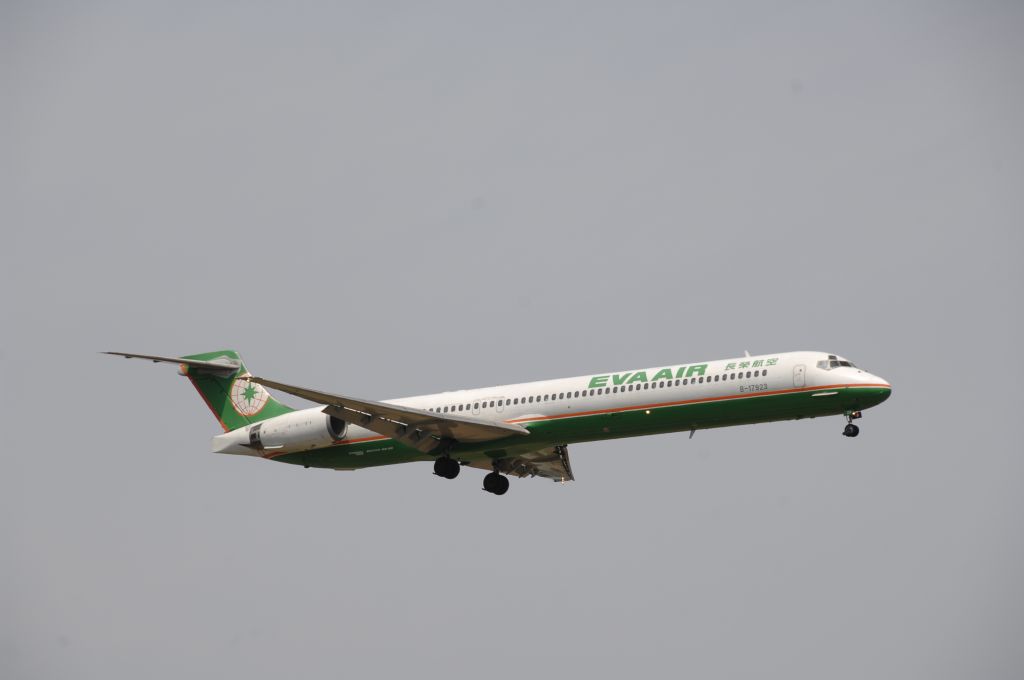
289 433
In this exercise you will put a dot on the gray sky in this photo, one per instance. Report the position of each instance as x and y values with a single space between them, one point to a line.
393 201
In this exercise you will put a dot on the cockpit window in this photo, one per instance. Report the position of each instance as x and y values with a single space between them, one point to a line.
834 362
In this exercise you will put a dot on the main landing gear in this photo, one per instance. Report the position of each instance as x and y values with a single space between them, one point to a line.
496 483
446 467
851 430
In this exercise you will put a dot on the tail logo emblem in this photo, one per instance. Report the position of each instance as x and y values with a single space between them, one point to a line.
248 398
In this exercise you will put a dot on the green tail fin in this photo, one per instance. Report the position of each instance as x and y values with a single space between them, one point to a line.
234 400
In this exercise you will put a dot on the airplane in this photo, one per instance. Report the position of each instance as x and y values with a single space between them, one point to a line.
524 429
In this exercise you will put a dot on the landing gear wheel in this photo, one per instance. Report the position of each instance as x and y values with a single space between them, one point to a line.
495 483
851 430
446 467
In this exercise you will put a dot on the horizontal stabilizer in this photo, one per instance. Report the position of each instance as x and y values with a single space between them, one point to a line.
222 366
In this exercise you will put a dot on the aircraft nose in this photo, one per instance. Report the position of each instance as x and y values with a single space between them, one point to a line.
883 387
886 391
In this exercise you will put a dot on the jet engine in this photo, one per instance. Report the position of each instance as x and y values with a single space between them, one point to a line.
289 433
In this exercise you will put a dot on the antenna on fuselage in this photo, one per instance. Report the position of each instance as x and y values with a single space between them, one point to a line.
746 353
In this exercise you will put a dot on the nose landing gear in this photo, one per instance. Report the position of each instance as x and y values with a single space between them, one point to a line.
851 430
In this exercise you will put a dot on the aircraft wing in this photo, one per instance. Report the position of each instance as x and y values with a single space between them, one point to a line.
551 463
424 430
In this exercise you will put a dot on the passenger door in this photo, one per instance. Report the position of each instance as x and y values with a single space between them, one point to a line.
798 375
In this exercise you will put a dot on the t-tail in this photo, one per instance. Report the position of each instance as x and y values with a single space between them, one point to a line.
223 382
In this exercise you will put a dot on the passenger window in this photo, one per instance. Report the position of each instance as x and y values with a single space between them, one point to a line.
702 379
492 404
764 373
677 382
591 392
561 395
748 374
716 377
732 376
